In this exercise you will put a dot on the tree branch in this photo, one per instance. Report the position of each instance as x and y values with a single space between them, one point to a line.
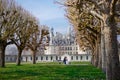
112 7
96 14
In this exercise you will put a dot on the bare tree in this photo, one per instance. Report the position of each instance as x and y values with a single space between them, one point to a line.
36 40
8 16
27 26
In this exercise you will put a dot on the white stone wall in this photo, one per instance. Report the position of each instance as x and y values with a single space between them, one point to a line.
66 49
62 57
47 58
10 58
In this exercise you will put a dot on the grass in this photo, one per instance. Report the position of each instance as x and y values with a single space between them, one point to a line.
46 71
78 62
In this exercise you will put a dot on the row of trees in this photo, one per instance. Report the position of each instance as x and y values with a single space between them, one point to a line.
95 23
19 27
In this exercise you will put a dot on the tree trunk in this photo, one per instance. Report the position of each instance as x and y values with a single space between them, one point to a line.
92 59
18 62
95 62
98 51
2 56
2 53
100 57
112 57
96 54
103 53
34 58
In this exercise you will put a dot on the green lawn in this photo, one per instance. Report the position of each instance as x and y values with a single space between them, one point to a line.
47 71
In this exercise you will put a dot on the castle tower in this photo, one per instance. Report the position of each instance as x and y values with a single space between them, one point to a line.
69 32
51 35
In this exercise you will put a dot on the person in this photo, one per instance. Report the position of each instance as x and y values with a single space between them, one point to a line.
65 60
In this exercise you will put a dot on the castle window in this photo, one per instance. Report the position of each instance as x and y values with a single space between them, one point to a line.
59 58
46 57
71 57
41 57
56 57
51 57
76 57
68 48
10 58
81 57
6 58
86 57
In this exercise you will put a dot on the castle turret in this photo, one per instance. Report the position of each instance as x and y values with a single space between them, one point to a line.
51 35
69 32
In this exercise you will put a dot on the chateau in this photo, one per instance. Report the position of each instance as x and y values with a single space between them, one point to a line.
60 46
66 45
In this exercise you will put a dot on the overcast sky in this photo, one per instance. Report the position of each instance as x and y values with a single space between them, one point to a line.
47 12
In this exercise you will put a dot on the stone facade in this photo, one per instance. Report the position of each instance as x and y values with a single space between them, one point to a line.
64 43
52 58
